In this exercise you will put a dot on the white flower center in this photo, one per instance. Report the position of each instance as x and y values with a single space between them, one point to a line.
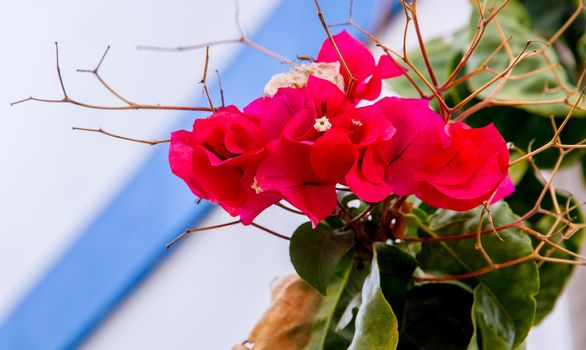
322 124
255 186
356 122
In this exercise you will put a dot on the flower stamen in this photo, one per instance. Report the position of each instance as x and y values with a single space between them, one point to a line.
322 124
256 187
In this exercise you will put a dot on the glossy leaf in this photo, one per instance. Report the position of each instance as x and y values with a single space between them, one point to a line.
324 321
316 253
553 276
396 269
349 312
548 16
492 321
436 316
513 287
538 83
376 323
518 171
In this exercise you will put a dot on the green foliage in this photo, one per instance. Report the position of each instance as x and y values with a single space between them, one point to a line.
436 316
492 321
442 55
316 253
396 268
540 85
553 277
513 287
493 310
548 16
546 85
376 323
323 334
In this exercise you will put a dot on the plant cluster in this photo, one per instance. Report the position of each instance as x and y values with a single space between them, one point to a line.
434 221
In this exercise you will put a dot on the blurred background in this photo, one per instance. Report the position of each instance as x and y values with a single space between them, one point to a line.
208 291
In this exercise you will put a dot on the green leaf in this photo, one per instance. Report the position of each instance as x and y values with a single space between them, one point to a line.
492 321
315 253
548 16
436 316
513 287
376 324
526 194
441 55
581 48
396 269
518 171
553 277
542 86
348 314
322 329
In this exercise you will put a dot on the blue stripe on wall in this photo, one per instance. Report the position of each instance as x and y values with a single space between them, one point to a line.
127 239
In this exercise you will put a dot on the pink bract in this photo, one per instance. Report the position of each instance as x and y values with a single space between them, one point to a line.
299 144
448 166
218 160
361 64
288 171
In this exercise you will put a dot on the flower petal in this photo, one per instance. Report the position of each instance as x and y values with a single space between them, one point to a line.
357 56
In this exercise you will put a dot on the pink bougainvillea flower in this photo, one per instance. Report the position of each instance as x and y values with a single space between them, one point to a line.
448 166
309 154
348 145
333 155
299 143
361 65
218 160
476 166
337 142
275 112
373 135
287 170
418 144
319 111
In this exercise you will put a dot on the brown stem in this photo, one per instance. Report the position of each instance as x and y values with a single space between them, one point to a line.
102 131
351 79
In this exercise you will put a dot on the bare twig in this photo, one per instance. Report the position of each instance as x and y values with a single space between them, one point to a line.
129 105
107 133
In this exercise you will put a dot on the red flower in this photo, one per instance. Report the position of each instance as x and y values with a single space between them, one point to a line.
361 64
298 144
218 161
288 171
313 152
475 167
448 166
373 134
